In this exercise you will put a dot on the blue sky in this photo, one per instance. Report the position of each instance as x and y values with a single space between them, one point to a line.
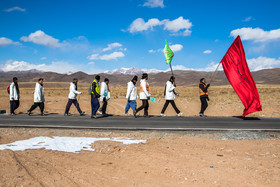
94 36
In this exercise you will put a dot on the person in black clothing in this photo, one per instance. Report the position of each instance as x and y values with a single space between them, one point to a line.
203 92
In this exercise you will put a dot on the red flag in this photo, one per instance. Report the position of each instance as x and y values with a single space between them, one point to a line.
239 76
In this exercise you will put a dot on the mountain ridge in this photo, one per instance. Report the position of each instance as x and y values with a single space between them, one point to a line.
183 77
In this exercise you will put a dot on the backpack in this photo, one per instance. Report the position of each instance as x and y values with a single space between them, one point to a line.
8 89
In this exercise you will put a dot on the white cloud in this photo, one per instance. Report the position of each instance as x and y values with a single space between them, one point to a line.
250 18
39 37
139 25
112 46
152 51
174 26
176 47
112 56
6 41
93 57
207 52
16 8
43 58
261 62
54 66
177 25
256 34
154 3
90 63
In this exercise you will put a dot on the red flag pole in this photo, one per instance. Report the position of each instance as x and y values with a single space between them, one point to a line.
214 73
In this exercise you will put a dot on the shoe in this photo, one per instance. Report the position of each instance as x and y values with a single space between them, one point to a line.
99 112
12 114
42 114
180 114
67 114
28 113
134 113
93 116
202 115
146 116
82 114
162 115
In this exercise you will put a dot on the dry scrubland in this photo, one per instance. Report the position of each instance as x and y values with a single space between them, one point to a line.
223 100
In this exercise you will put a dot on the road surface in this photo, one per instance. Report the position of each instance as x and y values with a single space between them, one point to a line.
140 123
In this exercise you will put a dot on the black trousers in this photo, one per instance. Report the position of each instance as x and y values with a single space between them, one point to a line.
173 105
69 103
104 106
35 105
145 106
204 104
14 105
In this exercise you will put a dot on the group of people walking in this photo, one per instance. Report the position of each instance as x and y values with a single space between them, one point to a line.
101 92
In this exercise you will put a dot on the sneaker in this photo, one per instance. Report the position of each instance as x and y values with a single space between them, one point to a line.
67 114
146 116
82 114
42 114
99 112
28 113
202 115
12 114
93 116
162 115
180 114
134 113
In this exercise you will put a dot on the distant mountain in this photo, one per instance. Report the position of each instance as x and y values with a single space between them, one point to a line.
156 77
131 71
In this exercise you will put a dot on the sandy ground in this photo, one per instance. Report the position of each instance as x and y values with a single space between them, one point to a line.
167 159
223 100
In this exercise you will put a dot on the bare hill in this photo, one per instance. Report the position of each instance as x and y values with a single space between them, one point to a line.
183 78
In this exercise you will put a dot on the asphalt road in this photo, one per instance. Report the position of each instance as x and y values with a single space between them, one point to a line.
141 123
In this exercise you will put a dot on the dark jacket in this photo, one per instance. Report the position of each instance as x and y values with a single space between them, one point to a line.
95 94
204 88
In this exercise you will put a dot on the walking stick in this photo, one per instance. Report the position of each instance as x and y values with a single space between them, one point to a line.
214 73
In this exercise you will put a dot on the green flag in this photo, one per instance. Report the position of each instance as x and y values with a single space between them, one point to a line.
168 53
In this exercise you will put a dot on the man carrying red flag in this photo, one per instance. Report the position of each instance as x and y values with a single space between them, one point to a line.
239 76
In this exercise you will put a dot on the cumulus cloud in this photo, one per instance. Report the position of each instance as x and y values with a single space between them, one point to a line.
39 37
139 25
174 26
112 56
207 52
16 8
256 64
112 46
154 3
177 25
256 34
6 41
24 66
176 47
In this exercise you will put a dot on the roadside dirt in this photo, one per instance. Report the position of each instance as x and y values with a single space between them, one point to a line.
167 159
